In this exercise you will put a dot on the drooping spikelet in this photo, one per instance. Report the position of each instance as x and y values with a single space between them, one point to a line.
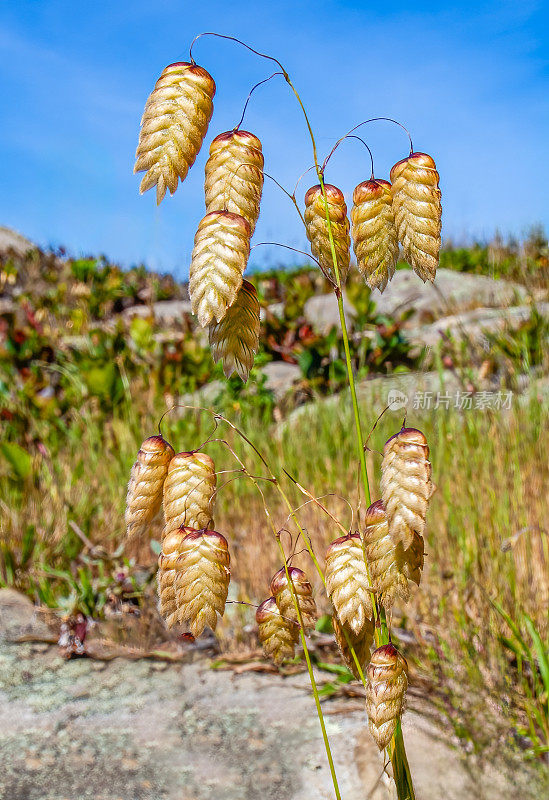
188 491
406 486
391 567
347 582
202 579
361 644
414 558
282 593
168 565
374 233
173 126
147 477
234 175
317 229
219 258
277 635
418 212
385 691
235 340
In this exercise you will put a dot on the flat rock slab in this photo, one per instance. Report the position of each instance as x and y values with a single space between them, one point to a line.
451 293
281 376
474 325
19 617
322 312
166 311
83 730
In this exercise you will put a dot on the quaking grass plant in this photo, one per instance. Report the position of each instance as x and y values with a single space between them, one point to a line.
367 570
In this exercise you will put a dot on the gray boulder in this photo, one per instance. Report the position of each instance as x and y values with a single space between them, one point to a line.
12 241
321 311
281 376
165 311
475 324
451 293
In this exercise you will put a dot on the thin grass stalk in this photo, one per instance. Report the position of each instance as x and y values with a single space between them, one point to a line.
311 673
397 750
296 604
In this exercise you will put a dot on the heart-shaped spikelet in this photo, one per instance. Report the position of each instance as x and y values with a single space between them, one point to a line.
374 233
202 580
219 258
406 486
235 340
418 212
317 229
385 692
361 644
168 565
234 175
277 635
147 477
391 566
189 491
347 582
282 593
173 126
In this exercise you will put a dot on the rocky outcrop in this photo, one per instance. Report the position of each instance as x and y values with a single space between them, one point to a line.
474 325
451 293
12 242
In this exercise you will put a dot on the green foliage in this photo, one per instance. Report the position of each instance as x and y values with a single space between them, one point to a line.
17 458
532 667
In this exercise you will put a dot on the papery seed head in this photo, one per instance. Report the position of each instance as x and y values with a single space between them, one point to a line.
317 228
418 212
282 593
347 582
219 258
235 340
406 486
374 233
385 692
174 124
202 580
144 496
277 635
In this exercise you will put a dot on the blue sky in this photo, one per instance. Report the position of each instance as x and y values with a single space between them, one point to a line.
470 80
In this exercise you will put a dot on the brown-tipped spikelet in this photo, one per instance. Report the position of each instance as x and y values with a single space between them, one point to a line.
234 175
374 233
347 582
414 558
173 126
385 691
317 229
202 580
219 258
147 477
406 486
235 340
361 644
391 567
167 573
418 212
189 491
277 635
284 597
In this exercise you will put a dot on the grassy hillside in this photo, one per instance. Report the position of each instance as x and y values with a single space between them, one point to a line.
82 382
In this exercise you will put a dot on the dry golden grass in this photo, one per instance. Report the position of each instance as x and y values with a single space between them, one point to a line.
485 536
